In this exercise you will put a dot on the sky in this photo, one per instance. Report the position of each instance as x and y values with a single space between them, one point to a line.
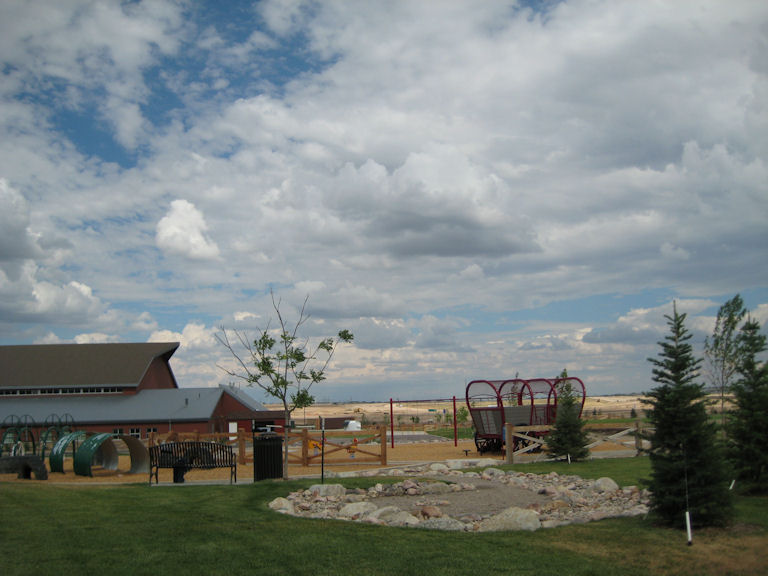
474 189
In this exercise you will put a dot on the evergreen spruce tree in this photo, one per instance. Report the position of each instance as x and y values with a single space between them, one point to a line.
748 426
568 437
687 466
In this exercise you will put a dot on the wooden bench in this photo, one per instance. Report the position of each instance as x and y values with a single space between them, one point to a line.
185 456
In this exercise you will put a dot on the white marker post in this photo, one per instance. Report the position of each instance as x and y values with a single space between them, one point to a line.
688 527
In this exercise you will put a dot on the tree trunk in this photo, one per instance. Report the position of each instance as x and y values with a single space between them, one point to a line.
287 417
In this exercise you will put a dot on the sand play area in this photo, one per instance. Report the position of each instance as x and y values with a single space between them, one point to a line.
415 447
403 454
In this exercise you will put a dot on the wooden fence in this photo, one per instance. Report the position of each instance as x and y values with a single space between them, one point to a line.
532 437
305 447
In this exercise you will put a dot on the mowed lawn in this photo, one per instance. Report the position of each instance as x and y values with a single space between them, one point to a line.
188 529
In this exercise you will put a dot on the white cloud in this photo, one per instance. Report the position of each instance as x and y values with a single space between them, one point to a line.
90 47
183 232
94 338
244 316
194 336
17 241
144 322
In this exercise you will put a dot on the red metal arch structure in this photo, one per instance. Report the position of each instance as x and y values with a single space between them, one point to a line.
494 403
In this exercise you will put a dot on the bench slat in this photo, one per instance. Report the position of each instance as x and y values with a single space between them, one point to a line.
192 456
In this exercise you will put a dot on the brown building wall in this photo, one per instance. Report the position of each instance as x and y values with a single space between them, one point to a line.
229 409
158 376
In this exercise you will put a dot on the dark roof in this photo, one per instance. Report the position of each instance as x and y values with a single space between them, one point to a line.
174 404
60 365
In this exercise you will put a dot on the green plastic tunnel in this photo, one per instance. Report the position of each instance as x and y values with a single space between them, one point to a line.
56 458
97 449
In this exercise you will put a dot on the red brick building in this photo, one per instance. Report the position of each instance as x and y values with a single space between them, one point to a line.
120 388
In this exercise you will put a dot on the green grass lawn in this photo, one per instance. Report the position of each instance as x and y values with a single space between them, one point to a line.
461 433
188 529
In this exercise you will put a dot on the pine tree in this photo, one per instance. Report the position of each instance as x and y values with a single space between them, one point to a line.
687 467
748 426
568 439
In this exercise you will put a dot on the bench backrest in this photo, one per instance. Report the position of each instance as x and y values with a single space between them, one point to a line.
195 454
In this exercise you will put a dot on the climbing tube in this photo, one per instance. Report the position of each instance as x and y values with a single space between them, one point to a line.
97 449
100 450
56 459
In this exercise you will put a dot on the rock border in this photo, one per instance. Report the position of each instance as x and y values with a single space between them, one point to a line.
573 500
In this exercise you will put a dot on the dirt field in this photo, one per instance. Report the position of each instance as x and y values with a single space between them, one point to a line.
594 407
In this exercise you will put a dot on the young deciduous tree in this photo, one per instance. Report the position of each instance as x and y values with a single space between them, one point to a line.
748 425
568 439
721 349
282 364
687 466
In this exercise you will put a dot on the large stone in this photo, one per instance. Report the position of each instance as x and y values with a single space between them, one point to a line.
392 516
491 473
436 488
512 519
402 518
430 511
606 485
357 509
443 523
329 490
385 512
282 505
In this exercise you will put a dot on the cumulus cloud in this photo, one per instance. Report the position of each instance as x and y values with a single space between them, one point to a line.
646 326
183 232
193 336
90 50
95 338
17 241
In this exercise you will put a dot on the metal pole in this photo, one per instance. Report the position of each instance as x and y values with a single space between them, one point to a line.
455 428
253 447
392 422
687 505
322 451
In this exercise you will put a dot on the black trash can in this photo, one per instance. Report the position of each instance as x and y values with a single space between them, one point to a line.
267 456
179 469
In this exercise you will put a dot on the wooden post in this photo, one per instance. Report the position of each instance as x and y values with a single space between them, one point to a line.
241 445
509 430
305 447
383 443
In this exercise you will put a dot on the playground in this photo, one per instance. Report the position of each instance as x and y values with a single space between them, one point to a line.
378 436
419 448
